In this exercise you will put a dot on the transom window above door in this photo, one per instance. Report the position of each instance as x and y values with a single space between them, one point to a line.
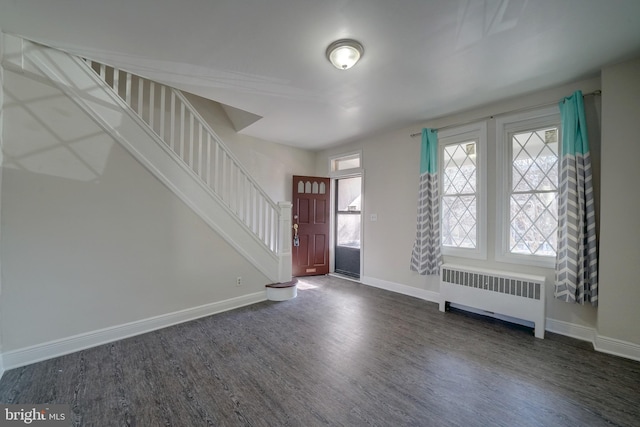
347 164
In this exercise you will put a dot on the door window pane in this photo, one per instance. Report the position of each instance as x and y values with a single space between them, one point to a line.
349 194
348 230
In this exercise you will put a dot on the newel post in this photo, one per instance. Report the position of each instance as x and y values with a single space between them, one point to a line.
284 242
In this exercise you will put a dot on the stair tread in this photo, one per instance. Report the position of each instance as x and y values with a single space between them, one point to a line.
288 284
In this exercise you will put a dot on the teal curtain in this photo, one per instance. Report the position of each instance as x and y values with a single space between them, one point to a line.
577 256
426 257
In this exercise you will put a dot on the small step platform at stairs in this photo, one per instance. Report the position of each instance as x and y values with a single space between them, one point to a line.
282 291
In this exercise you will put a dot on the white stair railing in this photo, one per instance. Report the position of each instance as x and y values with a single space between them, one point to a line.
181 128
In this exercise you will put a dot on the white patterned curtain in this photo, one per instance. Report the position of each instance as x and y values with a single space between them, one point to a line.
577 257
426 257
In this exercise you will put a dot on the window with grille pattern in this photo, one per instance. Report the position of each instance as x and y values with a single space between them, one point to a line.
534 192
462 157
528 156
459 211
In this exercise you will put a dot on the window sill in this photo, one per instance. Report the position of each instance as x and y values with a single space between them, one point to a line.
463 253
532 260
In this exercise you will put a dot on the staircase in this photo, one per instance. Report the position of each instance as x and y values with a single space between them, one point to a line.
161 129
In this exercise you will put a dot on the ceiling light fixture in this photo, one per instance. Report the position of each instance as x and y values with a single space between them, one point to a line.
344 53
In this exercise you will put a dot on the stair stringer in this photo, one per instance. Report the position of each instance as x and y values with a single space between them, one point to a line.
74 78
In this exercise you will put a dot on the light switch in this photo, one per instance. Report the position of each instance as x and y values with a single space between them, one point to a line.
373 217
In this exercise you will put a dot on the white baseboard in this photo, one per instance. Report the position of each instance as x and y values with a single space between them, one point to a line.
25 356
583 333
617 347
600 343
401 289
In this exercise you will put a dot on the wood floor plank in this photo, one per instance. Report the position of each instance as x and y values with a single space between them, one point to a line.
340 354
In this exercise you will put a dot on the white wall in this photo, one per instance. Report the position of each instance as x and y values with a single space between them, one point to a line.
391 165
272 165
1 162
90 239
619 312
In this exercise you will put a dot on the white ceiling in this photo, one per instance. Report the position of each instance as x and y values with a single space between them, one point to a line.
423 58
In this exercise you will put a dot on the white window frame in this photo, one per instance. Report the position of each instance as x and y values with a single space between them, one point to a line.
529 120
345 172
476 132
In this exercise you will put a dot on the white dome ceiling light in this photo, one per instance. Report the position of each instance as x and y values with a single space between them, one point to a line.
344 53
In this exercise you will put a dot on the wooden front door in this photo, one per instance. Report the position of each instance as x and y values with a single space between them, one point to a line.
311 215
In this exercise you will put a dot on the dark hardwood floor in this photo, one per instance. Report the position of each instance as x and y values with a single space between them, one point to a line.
341 354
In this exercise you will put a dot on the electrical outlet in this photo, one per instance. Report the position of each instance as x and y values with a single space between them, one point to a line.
239 281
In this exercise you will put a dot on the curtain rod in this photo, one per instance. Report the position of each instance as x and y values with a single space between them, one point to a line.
594 93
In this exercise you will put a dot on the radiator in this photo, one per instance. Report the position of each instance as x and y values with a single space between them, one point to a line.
511 294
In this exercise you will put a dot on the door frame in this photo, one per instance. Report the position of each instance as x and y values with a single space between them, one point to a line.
333 223
335 175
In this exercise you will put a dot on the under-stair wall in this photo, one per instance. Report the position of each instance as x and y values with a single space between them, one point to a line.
179 148
98 248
